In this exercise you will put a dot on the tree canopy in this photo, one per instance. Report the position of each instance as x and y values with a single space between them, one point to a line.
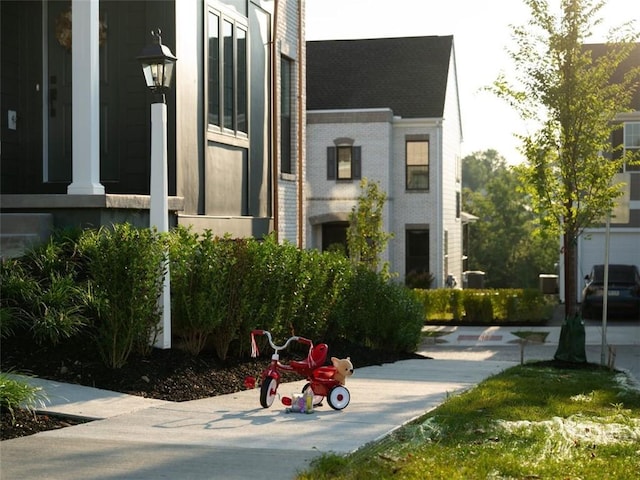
505 242
571 95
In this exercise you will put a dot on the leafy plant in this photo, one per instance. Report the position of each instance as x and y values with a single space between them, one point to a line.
415 279
125 265
40 292
55 309
366 239
192 282
15 393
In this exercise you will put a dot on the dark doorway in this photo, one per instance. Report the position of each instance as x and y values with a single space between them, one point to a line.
334 236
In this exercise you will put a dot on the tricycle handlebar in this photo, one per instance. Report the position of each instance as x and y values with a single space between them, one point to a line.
277 348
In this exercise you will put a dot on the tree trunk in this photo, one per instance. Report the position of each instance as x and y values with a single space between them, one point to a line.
570 274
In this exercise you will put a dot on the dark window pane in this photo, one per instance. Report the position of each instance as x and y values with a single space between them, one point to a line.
285 115
331 163
228 66
242 81
417 248
214 70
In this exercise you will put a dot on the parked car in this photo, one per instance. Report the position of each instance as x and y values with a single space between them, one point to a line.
623 295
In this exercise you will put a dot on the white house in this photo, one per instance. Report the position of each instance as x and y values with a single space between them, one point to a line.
387 110
624 231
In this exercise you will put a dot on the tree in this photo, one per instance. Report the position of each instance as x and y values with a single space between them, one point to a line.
506 241
477 168
570 94
366 239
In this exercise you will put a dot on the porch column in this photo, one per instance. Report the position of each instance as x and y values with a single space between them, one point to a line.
85 63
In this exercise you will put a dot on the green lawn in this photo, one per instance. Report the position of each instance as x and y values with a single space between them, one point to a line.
530 422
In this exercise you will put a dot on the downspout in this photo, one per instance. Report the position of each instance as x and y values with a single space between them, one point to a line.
274 120
300 129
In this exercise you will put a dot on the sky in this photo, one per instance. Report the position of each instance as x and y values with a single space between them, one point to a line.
481 35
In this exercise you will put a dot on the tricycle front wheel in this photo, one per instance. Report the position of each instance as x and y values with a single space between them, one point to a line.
268 391
338 397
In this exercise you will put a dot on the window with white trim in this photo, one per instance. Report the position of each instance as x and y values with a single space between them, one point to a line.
632 142
417 164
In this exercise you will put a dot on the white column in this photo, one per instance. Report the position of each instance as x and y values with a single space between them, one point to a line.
85 99
159 208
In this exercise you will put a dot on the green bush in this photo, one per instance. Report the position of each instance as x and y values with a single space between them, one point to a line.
125 266
378 313
15 285
231 265
422 280
15 393
105 284
43 293
193 282
478 309
485 306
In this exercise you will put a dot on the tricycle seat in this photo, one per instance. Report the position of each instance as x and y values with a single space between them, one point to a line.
317 356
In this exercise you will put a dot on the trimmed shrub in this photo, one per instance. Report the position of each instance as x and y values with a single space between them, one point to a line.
194 278
378 313
485 306
125 266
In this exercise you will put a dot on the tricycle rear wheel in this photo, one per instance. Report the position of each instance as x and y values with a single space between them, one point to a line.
338 397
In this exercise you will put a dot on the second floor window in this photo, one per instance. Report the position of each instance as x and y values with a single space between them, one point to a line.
417 164
632 142
286 165
344 162
227 82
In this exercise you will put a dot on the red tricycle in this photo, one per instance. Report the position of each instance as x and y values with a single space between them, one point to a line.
320 378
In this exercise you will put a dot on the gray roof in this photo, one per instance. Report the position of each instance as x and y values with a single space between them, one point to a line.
408 75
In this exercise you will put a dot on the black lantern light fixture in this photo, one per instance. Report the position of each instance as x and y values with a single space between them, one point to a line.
157 64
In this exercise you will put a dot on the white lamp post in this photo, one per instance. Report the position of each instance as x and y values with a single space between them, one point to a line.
157 65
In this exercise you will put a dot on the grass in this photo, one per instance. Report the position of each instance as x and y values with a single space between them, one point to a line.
532 421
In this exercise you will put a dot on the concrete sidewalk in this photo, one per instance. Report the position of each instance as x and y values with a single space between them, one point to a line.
231 436
502 344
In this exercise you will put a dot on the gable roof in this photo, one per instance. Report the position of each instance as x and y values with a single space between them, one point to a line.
407 75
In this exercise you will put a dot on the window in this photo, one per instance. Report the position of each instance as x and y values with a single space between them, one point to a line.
227 83
417 152
417 250
214 69
285 116
632 142
344 162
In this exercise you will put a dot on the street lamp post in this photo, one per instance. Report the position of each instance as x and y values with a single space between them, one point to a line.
157 66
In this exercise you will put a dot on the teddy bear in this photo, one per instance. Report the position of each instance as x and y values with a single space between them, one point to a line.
344 368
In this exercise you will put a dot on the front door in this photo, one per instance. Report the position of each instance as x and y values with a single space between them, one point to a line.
57 165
